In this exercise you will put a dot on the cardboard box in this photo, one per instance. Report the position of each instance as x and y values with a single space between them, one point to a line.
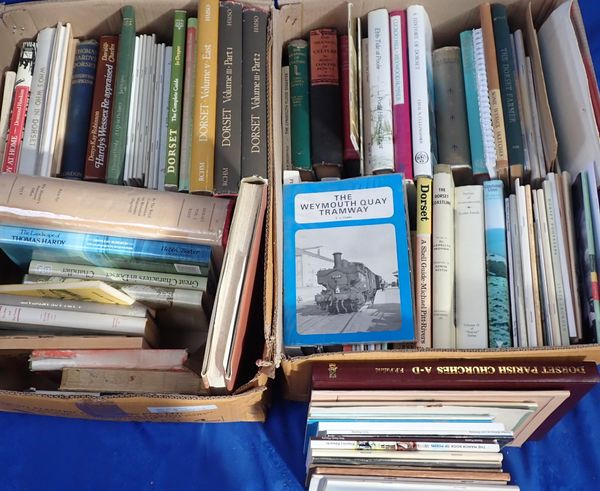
90 19
448 19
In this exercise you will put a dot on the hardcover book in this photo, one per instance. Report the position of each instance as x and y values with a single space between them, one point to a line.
423 262
351 155
340 286
299 105
7 96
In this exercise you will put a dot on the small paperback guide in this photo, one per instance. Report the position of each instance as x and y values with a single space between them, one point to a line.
346 263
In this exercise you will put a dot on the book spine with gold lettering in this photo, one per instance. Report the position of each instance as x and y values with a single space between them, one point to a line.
423 262
205 102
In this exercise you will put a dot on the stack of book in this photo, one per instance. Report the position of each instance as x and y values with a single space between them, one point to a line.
128 109
431 425
116 268
503 241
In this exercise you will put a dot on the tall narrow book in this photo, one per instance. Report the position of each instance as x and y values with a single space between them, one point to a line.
499 326
351 155
379 115
189 93
442 261
420 47
470 268
325 104
122 97
178 58
7 96
423 261
299 105
100 117
228 151
285 118
205 101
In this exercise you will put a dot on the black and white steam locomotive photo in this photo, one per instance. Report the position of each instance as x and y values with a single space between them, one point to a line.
347 280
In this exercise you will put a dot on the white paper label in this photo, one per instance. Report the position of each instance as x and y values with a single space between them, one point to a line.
181 409
335 206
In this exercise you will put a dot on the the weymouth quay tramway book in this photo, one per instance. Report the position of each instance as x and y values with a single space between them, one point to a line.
346 264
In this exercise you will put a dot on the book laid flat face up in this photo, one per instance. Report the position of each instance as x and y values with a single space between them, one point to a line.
346 267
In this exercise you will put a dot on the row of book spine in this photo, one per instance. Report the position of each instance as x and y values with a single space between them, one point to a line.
125 109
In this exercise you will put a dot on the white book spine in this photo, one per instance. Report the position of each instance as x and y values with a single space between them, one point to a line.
530 314
549 270
156 117
561 246
378 445
380 91
471 290
37 101
134 107
535 115
534 169
367 148
543 281
518 277
117 275
410 428
511 275
164 122
285 118
7 96
64 320
442 267
420 47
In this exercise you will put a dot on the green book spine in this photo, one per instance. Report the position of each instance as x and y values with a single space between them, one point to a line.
508 89
120 114
299 104
175 98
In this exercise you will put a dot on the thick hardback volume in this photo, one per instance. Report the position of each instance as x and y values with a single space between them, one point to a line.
451 112
178 58
499 325
469 69
508 90
22 244
299 105
471 298
102 103
16 127
420 47
285 118
587 273
254 93
7 95
84 207
489 45
423 262
118 275
351 156
205 103
123 380
401 94
78 117
442 262
189 93
228 150
325 104
339 286
120 110
379 115
37 101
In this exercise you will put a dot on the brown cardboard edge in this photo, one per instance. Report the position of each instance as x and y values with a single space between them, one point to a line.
297 370
249 406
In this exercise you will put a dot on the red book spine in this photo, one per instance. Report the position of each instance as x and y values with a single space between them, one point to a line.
16 128
350 152
401 94
96 157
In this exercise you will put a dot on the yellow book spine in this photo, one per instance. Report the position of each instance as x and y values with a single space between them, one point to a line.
423 261
203 142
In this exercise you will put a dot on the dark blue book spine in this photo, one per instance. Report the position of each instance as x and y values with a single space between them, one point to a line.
80 106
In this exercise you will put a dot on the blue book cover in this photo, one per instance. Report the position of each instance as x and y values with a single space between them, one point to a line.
346 264
80 107
499 325
22 244
470 78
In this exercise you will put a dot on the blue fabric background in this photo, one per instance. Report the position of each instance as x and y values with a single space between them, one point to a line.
38 452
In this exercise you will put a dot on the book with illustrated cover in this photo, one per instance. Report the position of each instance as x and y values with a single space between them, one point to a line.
346 263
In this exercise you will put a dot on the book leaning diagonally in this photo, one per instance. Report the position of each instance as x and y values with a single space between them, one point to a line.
230 315
7 95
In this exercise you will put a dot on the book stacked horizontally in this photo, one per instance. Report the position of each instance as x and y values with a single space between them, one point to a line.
183 113
103 267
462 145
431 425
